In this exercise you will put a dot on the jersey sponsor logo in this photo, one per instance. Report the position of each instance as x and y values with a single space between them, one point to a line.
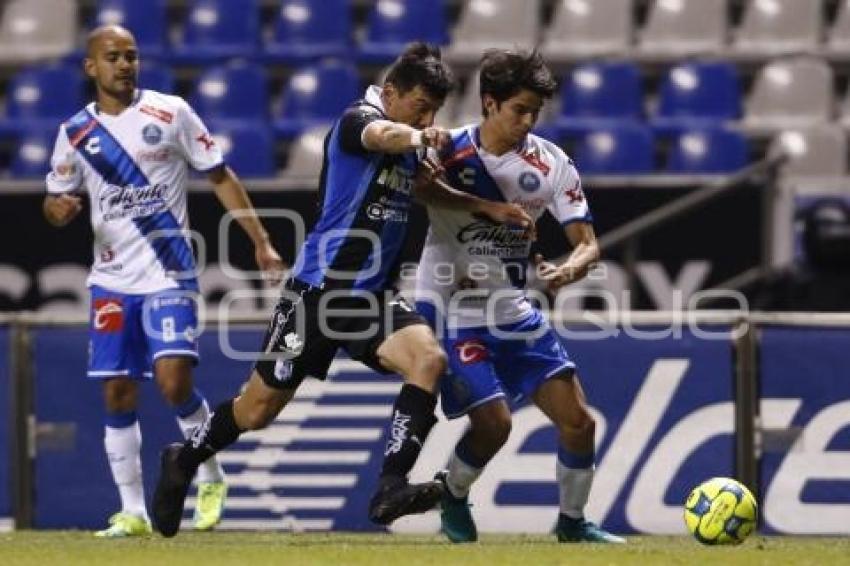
93 145
120 202
157 113
528 181
397 178
471 351
108 315
205 139
107 255
379 212
152 134
159 155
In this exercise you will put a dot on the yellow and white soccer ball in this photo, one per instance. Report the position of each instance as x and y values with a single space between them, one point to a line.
721 511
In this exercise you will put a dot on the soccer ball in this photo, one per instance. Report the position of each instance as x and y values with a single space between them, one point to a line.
721 511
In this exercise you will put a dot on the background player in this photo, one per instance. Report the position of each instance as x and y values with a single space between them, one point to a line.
501 160
370 163
130 149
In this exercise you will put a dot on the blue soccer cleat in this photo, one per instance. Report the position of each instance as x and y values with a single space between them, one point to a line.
455 517
581 530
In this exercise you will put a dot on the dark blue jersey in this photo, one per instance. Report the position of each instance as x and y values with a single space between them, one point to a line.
365 200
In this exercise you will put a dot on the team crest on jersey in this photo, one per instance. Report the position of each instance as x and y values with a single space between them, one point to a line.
528 181
152 134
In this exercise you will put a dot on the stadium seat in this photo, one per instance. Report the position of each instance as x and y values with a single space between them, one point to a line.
316 94
677 28
233 92
305 154
394 23
306 31
42 97
789 93
33 149
217 30
774 27
147 21
503 24
156 77
616 149
838 37
588 28
708 151
597 92
815 151
248 147
33 30
698 92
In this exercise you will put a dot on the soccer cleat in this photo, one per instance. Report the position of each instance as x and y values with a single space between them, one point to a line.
208 510
170 494
125 525
396 497
582 530
455 517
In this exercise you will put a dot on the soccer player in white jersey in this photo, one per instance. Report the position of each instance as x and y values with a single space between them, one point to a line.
131 150
471 285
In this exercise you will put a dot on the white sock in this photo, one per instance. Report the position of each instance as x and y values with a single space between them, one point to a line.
461 476
573 489
209 471
123 447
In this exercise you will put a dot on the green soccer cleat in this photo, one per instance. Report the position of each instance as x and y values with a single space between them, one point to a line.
582 530
125 525
455 517
210 505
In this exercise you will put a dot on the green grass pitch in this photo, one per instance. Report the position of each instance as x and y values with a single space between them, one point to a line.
337 549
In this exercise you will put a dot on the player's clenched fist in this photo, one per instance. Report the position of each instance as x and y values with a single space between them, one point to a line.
62 209
435 137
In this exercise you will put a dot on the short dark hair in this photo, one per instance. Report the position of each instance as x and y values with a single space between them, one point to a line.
504 73
421 65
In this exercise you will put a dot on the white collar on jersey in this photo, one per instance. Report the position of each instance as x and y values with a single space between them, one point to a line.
373 97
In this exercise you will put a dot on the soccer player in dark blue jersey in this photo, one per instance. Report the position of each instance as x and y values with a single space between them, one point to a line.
340 291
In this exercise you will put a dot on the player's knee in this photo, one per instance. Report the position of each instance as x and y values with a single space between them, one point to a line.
582 427
500 430
432 362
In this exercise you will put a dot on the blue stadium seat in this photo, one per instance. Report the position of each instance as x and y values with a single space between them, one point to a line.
696 93
42 96
316 94
33 149
594 93
394 23
234 92
708 150
248 147
217 30
306 31
156 77
616 149
147 20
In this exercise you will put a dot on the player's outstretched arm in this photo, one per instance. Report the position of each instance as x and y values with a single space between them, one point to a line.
385 136
59 210
584 255
431 189
232 195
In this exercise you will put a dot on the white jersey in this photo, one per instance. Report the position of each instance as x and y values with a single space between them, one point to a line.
135 167
475 271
